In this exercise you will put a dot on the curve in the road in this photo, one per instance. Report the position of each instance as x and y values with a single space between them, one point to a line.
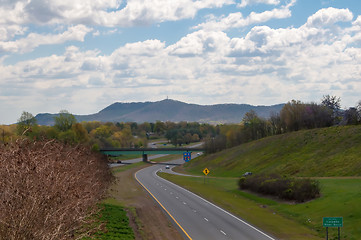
195 216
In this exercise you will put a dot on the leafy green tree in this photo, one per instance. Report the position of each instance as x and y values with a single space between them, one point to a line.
195 137
81 133
64 121
68 137
159 127
145 127
89 126
103 131
25 123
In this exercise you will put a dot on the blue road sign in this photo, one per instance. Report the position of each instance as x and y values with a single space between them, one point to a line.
187 156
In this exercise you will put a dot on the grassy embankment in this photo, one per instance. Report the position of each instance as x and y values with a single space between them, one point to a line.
330 154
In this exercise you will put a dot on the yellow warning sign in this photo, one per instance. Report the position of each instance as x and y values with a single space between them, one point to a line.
206 171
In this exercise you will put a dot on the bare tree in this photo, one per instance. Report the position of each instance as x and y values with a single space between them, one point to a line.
333 103
47 189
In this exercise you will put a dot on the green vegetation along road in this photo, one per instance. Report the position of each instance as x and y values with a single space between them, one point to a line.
330 155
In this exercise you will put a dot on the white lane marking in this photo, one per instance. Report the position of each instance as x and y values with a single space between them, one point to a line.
177 197
171 192
223 233
206 219
184 203
165 189
245 223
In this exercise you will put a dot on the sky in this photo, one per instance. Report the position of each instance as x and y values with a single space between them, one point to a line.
83 55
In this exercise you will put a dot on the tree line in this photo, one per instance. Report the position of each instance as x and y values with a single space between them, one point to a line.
98 135
294 116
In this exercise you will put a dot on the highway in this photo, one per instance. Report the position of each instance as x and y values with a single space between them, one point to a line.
196 218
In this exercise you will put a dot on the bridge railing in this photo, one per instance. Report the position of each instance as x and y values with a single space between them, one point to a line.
142 151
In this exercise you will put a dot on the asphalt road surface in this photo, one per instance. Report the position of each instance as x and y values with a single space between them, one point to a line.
197 218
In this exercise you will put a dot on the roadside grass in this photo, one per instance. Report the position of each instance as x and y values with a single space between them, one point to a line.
340 198
285 220
325 152
127 167
116 222
167 158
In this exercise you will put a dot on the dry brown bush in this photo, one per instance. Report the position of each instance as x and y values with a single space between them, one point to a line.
47 189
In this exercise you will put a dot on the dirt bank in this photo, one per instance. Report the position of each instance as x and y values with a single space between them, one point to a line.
146 218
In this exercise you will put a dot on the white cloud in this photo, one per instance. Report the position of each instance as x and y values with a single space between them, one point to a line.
245 3
33 40
12 12
236 20
357 22
9 32
329 16
199 43
100 12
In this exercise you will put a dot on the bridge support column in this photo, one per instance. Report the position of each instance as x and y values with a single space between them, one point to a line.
145 157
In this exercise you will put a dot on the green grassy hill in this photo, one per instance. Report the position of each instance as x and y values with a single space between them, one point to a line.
326 152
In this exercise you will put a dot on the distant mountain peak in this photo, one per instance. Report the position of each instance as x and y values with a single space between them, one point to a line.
169 110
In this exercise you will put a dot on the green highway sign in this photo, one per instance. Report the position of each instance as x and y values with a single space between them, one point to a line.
332 222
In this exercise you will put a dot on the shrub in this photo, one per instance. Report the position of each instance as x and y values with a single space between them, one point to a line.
47 189
283 187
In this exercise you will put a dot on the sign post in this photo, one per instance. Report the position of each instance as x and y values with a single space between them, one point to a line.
205 171
332 222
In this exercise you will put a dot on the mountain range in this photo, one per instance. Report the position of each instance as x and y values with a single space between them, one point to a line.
169 110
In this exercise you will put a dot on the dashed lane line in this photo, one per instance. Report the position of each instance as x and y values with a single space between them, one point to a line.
135 175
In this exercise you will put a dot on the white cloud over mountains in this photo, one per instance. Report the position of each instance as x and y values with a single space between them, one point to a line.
264 66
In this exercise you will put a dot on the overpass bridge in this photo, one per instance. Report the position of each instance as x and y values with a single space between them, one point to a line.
145 151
